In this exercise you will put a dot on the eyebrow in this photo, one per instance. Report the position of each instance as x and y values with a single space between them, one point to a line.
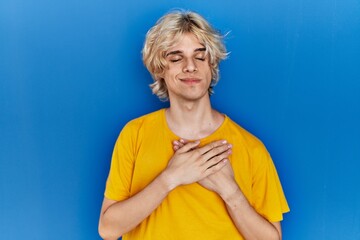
178 51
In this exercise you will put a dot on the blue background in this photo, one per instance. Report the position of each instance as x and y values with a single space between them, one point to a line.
71 76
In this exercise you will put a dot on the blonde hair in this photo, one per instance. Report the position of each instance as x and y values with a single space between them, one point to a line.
166 32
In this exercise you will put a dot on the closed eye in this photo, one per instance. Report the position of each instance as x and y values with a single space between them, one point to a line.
175 60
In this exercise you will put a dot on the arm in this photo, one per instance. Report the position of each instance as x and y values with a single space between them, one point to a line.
248 222
188 165
251 224
117 218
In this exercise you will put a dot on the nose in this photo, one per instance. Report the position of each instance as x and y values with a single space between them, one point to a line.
189 66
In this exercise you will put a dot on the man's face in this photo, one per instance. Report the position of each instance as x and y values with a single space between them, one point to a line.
188 74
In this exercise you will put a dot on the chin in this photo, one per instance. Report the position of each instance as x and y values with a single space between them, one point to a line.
195 97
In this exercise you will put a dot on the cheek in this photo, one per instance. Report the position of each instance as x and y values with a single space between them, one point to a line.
172 72
169 77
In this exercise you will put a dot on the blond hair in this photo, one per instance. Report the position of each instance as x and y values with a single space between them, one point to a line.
166 32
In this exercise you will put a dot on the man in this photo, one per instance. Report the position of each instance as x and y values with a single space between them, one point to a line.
188 171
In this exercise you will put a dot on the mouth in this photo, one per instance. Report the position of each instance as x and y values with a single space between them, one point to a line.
190 81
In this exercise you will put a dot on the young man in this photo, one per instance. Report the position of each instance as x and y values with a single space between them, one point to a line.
188 171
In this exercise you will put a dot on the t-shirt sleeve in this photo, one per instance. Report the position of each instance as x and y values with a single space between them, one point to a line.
118 183
269 198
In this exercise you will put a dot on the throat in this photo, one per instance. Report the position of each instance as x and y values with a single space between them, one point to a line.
195 133
192 128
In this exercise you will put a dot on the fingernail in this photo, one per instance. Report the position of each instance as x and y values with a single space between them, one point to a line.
229 146
223 142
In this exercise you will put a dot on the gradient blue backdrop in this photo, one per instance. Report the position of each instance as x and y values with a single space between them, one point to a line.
71 76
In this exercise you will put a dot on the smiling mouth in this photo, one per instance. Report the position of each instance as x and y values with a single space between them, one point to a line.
190 80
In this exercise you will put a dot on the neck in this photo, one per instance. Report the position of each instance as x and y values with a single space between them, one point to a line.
193 120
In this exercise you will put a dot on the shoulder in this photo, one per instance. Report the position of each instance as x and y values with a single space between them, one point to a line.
145 119
152 118
242 135
135 129
251 146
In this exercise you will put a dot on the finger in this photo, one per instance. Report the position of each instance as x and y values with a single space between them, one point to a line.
211 145
216 151
182 142
177 144
216 159
175 148
215 168
188 146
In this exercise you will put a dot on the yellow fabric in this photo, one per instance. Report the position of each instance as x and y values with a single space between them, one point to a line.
143 150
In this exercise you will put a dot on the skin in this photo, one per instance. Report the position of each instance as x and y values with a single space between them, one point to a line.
188 77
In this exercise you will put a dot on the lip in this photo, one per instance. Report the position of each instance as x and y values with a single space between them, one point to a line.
190 80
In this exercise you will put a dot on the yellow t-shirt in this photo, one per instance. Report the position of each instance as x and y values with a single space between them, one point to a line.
143 150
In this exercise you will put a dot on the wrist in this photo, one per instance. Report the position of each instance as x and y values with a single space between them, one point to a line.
232 196
167 181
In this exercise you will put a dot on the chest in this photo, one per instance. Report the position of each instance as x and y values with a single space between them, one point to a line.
155 152
152 156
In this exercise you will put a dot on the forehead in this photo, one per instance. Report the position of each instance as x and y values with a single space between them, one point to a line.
185 42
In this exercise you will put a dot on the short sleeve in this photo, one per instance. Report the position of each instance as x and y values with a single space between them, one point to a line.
269 198
118 183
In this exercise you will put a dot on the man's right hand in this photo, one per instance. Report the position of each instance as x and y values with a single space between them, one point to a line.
191 163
